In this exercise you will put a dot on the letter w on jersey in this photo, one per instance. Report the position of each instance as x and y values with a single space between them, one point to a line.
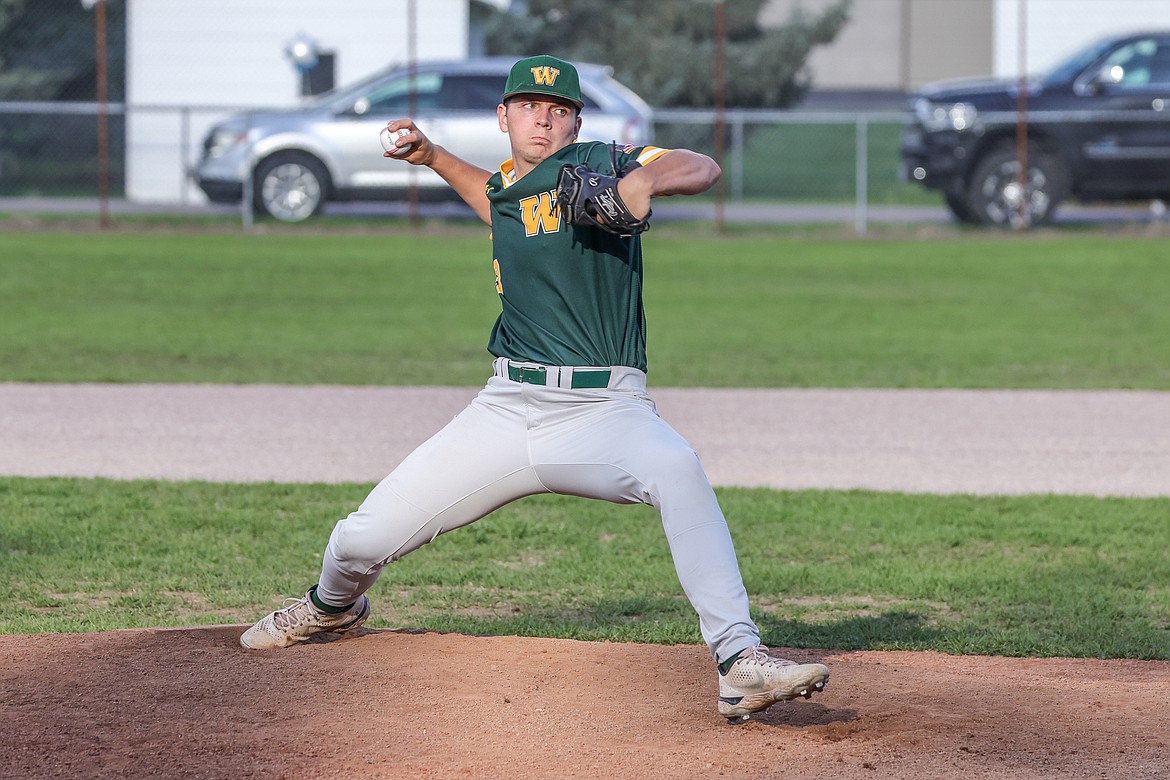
540 214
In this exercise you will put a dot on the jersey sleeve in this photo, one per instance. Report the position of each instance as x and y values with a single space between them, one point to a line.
640 154
596 154
495 183
648 154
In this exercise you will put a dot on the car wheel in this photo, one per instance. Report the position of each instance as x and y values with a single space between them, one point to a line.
995 196
960 209
290 186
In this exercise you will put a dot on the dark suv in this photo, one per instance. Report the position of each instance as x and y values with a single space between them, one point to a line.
1098 128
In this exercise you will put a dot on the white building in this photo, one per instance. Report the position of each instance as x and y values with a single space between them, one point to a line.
227 54
898 45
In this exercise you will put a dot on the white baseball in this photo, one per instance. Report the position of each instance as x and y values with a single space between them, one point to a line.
387 137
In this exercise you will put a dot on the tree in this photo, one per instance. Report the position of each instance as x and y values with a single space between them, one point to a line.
47 50
665 51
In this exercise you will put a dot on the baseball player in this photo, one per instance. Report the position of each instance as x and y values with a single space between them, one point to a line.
566 410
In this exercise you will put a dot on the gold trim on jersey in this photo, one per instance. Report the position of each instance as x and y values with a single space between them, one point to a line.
508 167
508 173
650 154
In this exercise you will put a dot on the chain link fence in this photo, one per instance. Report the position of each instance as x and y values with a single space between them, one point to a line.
48 148
49 112
802 156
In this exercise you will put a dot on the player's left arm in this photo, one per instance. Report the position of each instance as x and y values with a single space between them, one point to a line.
676 172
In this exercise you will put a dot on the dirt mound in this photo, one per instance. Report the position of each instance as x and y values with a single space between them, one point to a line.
402 704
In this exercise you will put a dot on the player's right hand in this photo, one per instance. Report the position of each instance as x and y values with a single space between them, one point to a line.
423 151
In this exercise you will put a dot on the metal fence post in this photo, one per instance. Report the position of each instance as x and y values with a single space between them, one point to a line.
246 199
737 154
184 151
862 175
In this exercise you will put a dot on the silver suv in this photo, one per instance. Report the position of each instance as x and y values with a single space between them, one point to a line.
329 150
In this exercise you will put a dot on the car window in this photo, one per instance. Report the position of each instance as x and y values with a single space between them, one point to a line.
436 91
1160 65
462 93
1068 69
394 97
1133 65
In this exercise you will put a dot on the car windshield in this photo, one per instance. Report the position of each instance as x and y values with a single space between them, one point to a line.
1069 69
347 96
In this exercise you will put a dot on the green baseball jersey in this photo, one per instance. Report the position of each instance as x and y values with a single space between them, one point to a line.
570 296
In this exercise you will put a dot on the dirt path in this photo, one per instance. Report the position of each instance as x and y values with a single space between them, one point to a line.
949 441
409 704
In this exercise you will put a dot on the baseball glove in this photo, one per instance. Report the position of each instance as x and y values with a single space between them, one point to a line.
590 199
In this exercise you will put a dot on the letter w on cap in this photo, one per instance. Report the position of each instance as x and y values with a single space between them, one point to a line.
543 74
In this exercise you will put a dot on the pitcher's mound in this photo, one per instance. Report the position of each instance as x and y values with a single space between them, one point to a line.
401 704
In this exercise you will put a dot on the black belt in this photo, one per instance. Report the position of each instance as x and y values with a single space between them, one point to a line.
583 378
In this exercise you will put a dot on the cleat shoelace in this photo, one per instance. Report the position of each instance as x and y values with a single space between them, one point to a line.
288 617
759 655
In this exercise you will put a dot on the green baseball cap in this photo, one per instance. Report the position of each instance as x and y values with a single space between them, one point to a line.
544 75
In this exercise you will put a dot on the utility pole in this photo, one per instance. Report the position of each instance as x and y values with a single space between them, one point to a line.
103 124
720 103
1024 208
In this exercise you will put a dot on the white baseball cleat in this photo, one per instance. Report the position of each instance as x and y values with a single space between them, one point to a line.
298 620
757 680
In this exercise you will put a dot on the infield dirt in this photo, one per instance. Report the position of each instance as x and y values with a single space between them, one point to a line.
190 703
403 704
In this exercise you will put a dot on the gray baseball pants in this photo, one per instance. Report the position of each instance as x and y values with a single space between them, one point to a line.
519 439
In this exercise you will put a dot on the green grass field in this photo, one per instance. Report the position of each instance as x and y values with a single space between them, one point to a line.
1012 576
1037 575
975 311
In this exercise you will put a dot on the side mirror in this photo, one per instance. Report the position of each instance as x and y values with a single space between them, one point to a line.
360 107
1107 76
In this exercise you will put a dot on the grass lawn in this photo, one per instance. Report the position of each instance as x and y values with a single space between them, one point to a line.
1043 575
1071 311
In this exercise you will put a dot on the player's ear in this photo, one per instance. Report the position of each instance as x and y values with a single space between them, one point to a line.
577 132
502 116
